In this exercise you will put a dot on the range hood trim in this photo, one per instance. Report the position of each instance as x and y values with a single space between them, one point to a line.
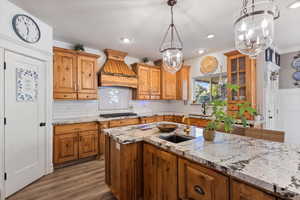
125 76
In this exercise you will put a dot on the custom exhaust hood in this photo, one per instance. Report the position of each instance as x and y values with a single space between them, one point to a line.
116 72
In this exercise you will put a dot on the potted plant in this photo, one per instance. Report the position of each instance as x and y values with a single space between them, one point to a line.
79 47
223 120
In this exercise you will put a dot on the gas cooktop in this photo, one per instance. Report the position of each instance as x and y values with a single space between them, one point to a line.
113 115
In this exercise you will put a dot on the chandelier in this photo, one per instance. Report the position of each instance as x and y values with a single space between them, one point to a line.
254 27
171 46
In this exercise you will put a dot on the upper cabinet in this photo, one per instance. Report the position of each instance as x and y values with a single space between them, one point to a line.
169 85
74 75
149 84
154 83
241 71
183 83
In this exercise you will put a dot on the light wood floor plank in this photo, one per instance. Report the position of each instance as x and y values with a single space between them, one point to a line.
84 181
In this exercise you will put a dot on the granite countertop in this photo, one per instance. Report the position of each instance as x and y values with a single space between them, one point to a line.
97 118
272 166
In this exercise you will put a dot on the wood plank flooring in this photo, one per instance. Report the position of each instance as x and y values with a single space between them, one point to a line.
79 182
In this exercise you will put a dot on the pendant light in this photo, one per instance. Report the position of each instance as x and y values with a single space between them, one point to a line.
171 46
254 27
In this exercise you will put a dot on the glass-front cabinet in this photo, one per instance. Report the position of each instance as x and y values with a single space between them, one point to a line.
241 71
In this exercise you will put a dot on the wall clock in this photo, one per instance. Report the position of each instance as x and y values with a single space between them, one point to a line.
26 28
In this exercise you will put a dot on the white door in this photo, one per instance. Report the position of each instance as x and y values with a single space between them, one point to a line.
24 111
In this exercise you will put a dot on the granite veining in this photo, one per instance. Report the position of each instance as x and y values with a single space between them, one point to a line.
272 166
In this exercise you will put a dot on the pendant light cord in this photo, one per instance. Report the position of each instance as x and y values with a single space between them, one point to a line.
172 27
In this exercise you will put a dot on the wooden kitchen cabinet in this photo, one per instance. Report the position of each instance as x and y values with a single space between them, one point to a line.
88 144
241 71
65 72
65 148
160 174
169 85
75 141
125 170
199 183
183 83
241 191
74 75
124 122
198 122
149 82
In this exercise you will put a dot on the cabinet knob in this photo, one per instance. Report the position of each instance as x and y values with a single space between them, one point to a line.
199 190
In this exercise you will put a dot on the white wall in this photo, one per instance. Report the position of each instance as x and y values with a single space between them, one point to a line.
289 114
62 109
42 51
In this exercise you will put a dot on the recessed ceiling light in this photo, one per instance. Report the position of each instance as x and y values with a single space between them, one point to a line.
210 36
125 40
201 51
295 4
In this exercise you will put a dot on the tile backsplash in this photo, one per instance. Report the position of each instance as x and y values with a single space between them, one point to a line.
111 100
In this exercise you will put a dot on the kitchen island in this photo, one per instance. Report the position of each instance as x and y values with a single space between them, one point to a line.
231 167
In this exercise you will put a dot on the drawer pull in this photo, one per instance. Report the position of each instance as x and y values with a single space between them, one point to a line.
199 190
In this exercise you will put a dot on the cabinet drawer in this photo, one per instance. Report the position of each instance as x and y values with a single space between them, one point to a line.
241 191
123 122
83 96
198 183
69 128
169 118
143 97
155 97
147 120
65 96
104 125
159 118
178 119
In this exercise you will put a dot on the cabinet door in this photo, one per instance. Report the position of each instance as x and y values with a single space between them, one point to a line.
65 148
199 183
167 187
241 191
183 83
143 82
155 83
88 144
169 85
150 177
87 74
160 169
64 74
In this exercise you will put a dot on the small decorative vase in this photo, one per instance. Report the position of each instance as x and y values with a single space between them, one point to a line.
209 135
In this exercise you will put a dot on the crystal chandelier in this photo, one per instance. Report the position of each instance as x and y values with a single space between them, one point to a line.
254 27
171 46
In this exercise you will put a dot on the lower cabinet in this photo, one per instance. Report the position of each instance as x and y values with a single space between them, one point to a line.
160 174
124 167
75 141
65 148
88 144
241 191
199 183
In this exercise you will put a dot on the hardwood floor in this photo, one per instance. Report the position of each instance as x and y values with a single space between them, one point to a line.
79 182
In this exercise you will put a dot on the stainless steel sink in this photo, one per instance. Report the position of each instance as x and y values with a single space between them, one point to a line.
176 138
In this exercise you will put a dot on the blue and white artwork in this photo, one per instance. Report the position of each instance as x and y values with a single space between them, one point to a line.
27 85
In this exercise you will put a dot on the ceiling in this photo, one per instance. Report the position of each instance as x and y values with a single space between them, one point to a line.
101 23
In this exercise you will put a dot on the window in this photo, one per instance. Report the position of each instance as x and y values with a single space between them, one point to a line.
209 88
